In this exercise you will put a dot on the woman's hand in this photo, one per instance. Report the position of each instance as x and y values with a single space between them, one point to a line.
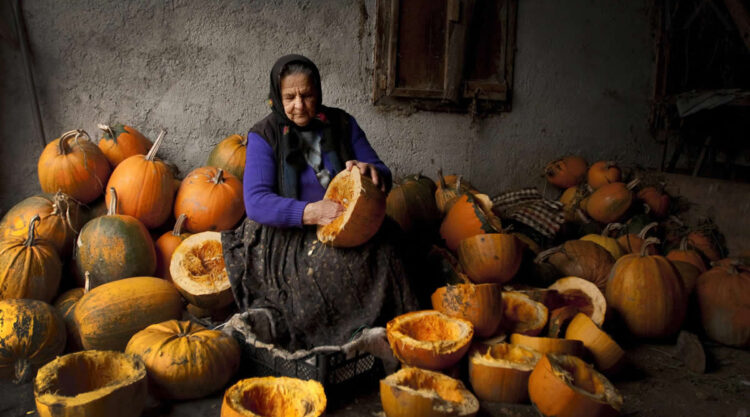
368 170
321 212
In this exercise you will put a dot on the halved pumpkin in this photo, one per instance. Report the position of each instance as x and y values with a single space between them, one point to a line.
582 294
429 339
364 210
501 372
607 354
522 315
414 392
91 383
274 396
481 304
549 344
566 386
199 273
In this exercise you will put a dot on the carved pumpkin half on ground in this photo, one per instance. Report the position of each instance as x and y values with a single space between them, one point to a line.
414 392
364 210
522 315
429 339
608 355
584 295
566 386
91 383
274 396
481 304
501 372
198 271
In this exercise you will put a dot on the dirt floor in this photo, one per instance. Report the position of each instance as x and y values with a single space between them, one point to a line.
655 383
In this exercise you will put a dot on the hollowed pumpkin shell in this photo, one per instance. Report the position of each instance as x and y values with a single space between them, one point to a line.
429 339
548 344
523 315
91 383
607 354
274 396
490 257
582 294
565 386
199 273
185 360
413 392
481 304
501 372
364 210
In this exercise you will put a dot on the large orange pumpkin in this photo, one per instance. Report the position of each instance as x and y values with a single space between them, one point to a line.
29 268
75 166
467 217
145 186
648 294
685 254
32 333
610 202
113 247
211 199
364 210
165 246
274 396
580 258
119 142
490 257
229 155
724 299
411 203
185 360
59 220
480 304
501 372
566 172
602 173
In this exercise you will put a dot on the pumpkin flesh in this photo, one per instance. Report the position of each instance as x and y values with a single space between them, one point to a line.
413 392
274 396
198 271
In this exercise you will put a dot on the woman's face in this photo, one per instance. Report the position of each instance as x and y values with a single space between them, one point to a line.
298 98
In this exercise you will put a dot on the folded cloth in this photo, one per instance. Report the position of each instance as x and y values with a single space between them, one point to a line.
529 207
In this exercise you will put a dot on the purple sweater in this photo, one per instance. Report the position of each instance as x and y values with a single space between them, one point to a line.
262 202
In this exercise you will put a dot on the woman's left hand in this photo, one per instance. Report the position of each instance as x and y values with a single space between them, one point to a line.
367 170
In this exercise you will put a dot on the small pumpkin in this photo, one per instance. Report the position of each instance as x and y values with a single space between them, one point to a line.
411 203
30 267
59 220
119 142
685 254
602 173
185 360
481 304
414 392
32 333
580 258
566 172
145 186
211 199
466 218
364 210
448 188
604 240
429 339
198 271
229 155
165 246
632 243
647 293
572 199
706 243
500 373
113 247
566 386
91 383
656 200
274 396
724 298
610 202
608 355
490 257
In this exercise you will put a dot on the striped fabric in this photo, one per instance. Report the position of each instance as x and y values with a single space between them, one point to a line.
529 207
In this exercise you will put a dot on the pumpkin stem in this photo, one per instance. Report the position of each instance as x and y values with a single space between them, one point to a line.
112 209
441 179
646 229
177 231
61 206
633 183
86 282
543 255
610 227
244 141
219 177
155 147
684 244
62 147
458 184
22 369
648 242
582 216
32 229
107 130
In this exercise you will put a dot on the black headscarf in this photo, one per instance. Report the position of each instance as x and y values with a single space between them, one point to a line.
283 134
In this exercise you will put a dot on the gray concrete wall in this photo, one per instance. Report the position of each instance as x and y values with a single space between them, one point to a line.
583 78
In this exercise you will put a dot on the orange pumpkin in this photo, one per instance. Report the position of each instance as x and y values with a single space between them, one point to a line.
467 218
411 203
632 243
724 299
687 255
165 246
647 293
414 392
572 199
610 202
59 220
113 247
500 373
145 186
29 268
211 199
566 172
608 355
706 243
429 339
119 142
185 360
229 155
65 304
74 165
449 188
657 201
566 386
274 396
607 242
688 273
480 304
580 258
490 257
602 173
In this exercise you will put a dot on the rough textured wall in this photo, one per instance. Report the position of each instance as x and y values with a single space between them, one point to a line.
200 69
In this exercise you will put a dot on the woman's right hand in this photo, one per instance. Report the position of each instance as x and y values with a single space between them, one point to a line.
321 212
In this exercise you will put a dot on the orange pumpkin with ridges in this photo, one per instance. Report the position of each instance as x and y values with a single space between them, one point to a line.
610 202
229 155
411 203
724 298
119 142
685 254
580 258
490 257
211 199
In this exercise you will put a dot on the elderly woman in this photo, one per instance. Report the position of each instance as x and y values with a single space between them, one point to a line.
312 294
